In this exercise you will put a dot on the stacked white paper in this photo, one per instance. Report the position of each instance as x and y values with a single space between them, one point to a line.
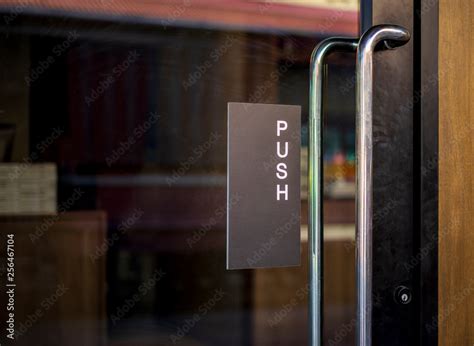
28 188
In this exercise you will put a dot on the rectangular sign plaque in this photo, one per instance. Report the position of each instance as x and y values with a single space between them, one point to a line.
263 185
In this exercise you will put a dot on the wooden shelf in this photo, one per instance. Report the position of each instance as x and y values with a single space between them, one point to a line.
185 206
336 211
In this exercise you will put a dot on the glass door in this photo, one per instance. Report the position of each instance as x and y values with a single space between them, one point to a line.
113 171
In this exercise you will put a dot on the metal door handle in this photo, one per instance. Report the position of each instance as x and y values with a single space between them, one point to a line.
315 179
393 36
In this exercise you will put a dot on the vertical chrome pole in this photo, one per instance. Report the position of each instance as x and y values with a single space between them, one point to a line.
315 179
393 36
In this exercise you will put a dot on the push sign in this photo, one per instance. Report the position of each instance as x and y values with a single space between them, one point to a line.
263 185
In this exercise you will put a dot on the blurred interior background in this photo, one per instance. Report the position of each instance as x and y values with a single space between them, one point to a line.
113 174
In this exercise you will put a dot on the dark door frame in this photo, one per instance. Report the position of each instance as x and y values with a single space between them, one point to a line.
405 175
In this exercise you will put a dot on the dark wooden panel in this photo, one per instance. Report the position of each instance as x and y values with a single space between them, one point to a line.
280 299
60 291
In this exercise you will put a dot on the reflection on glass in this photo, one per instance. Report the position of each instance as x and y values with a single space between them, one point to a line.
113 148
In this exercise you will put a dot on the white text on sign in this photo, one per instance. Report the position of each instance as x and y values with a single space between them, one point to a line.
281 167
